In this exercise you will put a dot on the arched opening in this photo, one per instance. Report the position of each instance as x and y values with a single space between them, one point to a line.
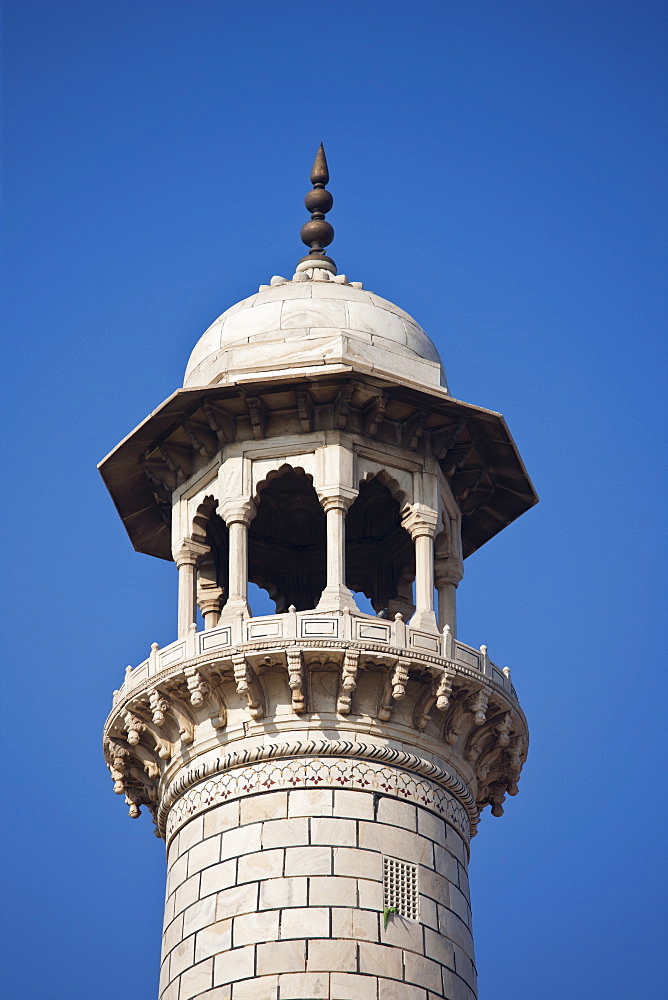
380 557
287 541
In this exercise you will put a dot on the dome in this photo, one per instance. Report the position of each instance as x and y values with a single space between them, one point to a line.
314 323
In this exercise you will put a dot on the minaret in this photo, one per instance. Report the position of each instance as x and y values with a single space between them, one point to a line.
316 774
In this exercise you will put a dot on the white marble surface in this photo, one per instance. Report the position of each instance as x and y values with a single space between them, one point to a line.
310 323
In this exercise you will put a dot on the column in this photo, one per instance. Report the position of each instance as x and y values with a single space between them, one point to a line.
336 596
420 522
238 515
209 594
448 572
186 555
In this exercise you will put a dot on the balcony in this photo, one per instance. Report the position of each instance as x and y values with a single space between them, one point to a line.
301 628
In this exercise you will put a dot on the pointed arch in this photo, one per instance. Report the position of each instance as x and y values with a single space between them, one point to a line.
287 542
380 557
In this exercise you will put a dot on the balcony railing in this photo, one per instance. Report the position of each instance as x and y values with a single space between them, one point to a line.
302 626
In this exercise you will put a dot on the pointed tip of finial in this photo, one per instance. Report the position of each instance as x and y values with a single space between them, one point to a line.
320 171
317 234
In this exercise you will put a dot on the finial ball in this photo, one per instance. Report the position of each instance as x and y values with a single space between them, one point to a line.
316 233
318 200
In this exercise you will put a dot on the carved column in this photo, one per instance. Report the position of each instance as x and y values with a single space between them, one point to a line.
238 515
209 594
448 571
420 522
336 595
186 555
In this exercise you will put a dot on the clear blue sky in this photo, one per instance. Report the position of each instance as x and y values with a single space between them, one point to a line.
499 170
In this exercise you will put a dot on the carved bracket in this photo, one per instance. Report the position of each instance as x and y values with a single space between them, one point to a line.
342 405
439 695
221 423
348 684
394 688
477 705
373 414
306 411
202 693
200 438
258 416
297 680
134 773
247 686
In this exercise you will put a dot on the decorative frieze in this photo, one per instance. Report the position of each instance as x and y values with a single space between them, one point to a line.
317 765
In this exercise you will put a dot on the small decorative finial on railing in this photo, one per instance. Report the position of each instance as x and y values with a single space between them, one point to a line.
318 234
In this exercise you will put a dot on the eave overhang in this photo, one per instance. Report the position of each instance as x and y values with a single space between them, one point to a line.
473 445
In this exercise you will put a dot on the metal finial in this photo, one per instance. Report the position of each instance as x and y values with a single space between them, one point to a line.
317 234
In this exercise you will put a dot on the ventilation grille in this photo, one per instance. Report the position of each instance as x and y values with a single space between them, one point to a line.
400 887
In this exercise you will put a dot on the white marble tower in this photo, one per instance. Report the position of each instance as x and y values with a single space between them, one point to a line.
317 774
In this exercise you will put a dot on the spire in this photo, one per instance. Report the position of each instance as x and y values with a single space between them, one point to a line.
317 234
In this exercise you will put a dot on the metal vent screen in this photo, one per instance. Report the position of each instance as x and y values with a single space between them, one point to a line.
400 887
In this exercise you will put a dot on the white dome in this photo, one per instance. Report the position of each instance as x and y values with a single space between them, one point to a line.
311 323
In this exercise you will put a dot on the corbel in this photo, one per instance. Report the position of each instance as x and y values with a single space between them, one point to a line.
342 405
141 794
125 761
174 462
258 416
297 680
135 725
495 794
178 708
394 688
348 681
220 422
438 694
372 415
444 690
158 705
466 481
503 729
443 439
202 692
137 789
477 705
515 756
485 746
306 410
247 685
456 457
119 765
159 475
200 438
454 716
413 429
134 799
